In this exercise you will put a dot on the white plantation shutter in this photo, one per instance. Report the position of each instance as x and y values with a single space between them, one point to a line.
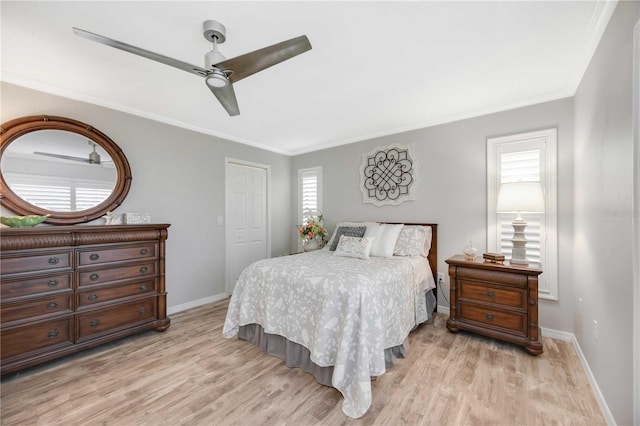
519 166
525 157
309 193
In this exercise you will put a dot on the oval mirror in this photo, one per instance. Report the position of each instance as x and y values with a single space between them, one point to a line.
61 167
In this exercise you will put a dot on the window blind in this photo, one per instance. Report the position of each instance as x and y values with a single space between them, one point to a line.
309 183
514 167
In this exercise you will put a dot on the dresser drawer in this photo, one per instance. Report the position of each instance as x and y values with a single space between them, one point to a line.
22 340
494 277
510 321
35 285
34 308
94 297
511 297
97 256
39 261
99 276
94 323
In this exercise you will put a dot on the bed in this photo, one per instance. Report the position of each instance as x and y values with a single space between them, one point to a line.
342 318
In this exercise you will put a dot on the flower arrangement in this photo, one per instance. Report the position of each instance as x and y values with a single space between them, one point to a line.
312 228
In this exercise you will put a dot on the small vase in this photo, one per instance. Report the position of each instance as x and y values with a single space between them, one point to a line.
311 244
470 251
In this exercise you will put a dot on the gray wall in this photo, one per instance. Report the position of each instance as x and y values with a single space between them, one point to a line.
452 189
178 177
603 184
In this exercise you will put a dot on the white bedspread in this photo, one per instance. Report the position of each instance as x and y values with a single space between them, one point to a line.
346 311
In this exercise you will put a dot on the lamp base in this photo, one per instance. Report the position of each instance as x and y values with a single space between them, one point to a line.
519 250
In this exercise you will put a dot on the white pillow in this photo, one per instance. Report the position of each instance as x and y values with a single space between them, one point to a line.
385 241
353 247
413 241
339 224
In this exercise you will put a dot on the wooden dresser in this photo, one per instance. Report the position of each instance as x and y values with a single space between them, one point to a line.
68 288
496 300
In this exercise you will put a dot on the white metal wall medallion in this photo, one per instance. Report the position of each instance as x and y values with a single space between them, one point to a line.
388 175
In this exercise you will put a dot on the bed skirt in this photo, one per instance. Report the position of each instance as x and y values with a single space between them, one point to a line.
297 356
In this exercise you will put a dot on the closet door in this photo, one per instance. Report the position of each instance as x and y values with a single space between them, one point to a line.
246 201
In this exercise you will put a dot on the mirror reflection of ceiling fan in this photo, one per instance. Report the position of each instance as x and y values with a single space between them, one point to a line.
93 158
219 73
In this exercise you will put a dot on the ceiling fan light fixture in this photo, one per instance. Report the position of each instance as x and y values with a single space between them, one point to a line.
217 79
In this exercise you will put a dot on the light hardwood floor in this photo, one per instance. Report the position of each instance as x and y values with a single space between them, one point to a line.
191 375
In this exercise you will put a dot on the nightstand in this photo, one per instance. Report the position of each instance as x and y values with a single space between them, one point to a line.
495 300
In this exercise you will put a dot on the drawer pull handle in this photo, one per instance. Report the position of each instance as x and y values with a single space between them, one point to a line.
53 260
94 256
93 297
490 294
52 333
489 317
143 270
52 283
94 323
142 311
144 251
52 305
143 287
94 277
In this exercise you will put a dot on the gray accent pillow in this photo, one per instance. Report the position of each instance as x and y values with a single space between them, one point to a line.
349 231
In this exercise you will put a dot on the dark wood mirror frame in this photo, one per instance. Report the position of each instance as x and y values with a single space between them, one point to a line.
13 129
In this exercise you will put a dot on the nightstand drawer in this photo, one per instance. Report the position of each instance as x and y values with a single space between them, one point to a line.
505 320
494 277
515 298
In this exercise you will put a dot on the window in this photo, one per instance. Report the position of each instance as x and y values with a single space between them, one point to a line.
526 157
309 193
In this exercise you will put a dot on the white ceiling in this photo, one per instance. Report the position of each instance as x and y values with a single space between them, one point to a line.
376 68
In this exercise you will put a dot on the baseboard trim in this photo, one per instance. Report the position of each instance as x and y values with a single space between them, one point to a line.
443 310
195 303
570 337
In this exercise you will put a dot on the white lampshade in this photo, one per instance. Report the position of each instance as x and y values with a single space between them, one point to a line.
520 197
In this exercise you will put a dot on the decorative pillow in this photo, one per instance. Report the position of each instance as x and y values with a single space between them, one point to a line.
353 247
339 224
349 231
413 241
385 241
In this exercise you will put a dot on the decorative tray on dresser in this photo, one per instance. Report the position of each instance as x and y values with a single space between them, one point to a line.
496 300
68 288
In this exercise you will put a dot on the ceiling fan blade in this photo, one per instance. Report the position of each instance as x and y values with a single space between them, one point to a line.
258 60
227 97
65 157
194 69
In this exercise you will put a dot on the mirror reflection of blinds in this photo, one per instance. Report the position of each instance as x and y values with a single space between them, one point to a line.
521 166
61 195
309 181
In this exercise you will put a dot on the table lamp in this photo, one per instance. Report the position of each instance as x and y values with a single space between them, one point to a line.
520 197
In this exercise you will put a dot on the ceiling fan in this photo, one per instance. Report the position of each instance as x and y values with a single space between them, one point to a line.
93 158
219 73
